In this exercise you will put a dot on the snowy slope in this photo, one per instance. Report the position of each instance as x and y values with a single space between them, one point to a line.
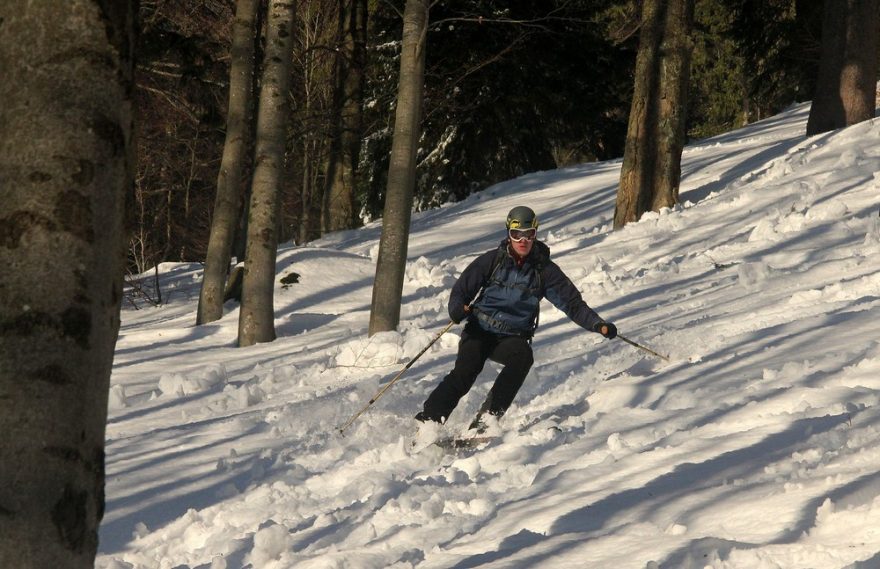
757 446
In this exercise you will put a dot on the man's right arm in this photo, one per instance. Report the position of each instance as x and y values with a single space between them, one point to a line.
468 285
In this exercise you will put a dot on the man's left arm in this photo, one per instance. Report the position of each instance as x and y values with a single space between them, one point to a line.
560 291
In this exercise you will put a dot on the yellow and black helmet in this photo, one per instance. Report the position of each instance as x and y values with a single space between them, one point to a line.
522 217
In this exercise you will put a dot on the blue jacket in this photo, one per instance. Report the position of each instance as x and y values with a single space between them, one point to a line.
508 299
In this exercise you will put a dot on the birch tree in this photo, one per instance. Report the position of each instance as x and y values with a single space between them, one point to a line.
65 169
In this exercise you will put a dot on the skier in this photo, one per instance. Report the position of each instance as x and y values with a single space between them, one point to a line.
499 294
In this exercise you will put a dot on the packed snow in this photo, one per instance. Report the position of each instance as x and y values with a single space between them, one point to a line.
756 446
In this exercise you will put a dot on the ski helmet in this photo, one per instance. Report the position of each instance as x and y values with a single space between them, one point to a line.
522 217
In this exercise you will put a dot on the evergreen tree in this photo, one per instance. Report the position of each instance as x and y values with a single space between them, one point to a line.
511 87
718 98
779 40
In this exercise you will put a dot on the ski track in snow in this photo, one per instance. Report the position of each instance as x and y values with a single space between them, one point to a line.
756 447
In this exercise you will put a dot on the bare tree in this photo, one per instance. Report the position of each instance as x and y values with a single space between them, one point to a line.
257 316
179 85
845 90
391 264
651 171
65 128
312 55
227 205
349 72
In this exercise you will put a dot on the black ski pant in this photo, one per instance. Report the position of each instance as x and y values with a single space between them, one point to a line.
475 347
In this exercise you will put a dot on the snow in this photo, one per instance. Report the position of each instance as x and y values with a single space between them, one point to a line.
756 446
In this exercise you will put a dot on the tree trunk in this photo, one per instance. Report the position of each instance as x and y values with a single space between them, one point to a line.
651 170
675 64
66 167
845 90
257 316
391 264
636 173
313 84
349 69
227 205
305 219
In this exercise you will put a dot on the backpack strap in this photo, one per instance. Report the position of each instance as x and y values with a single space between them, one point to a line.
499 257
500 254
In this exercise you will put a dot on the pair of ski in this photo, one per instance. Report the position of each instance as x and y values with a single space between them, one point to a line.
475 435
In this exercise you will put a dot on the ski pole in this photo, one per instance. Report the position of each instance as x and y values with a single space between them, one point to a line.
652 352
393 380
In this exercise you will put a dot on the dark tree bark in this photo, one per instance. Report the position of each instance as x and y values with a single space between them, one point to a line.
65 169
391 264
845 90
349 72
651 170
257 316
227 205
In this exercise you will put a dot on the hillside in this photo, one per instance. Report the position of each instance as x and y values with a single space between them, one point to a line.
757 446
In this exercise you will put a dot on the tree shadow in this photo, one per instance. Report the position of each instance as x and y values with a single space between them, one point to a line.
684 480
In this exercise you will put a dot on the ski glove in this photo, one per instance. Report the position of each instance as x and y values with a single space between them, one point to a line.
610 329
459 313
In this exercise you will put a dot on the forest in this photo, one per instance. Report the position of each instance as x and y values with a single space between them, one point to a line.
510 87
341 112
136 133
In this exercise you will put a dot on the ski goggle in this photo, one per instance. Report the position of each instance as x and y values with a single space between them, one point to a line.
522 234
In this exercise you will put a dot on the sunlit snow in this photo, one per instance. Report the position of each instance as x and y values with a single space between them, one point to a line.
757 446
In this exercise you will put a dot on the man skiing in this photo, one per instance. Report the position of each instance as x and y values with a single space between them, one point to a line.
499 294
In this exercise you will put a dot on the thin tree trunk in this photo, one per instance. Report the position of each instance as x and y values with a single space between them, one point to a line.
651 169
227 205
257 316
66 168
338 211
306 194
391 264
845 89
333 179
311 87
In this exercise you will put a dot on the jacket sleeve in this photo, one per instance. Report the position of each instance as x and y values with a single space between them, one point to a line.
468 284
560 291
